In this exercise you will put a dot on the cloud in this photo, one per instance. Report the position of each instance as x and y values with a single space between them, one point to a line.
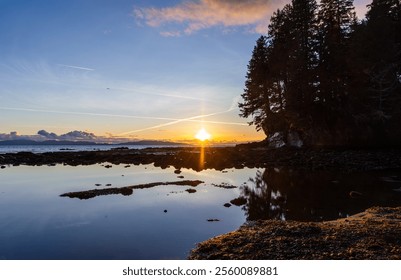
42 135
203 14
76 67
47 135
9 136
75 135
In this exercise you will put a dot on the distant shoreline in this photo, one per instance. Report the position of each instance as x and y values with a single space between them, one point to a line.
219 158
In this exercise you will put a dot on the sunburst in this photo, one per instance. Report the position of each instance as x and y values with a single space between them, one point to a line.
202 135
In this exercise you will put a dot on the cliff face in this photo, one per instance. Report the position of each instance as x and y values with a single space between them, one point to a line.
373 234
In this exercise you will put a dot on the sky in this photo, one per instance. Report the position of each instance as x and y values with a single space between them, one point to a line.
128 69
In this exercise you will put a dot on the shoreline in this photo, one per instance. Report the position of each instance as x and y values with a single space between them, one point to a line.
374 234
220 158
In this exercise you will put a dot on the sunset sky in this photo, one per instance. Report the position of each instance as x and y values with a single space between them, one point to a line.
142 69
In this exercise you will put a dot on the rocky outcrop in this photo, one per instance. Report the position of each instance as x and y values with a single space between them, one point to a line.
373 234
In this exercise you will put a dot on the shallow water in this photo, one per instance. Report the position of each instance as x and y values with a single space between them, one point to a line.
36 223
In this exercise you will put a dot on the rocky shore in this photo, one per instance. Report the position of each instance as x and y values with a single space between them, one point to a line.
374 234
219 158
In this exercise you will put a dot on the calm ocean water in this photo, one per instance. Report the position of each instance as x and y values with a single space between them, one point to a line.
167 221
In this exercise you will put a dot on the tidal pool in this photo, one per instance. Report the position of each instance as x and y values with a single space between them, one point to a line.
165 222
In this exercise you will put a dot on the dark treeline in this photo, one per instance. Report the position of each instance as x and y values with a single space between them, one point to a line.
322 77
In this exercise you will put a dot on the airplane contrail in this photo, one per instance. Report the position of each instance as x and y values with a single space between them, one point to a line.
76 67
192 119
158 93
172 120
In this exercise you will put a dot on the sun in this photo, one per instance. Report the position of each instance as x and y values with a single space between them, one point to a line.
202 135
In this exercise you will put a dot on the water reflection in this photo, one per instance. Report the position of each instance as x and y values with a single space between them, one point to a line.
285 194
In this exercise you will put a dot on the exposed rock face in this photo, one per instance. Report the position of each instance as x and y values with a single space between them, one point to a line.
373 234
294 139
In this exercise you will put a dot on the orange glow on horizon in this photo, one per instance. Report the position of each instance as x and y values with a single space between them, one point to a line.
202 135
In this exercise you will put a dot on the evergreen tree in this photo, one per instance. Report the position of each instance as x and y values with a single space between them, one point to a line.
256 100
336 18
301 60
321 72
384 54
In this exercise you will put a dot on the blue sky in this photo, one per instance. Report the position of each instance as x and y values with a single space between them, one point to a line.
126 68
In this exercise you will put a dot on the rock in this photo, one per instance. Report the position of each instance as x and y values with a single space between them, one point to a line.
374 234
126 191
177 171
294 140
239 201
213 220
227 205
277 140
190 190
3 166
224 186
165 211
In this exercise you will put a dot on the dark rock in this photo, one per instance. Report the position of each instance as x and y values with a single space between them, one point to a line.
165 211
177 171
227 205
223 158
3 166
224 186
213 220
127 190
190 190
239 201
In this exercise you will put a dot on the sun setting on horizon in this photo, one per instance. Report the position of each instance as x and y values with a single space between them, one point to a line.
203 135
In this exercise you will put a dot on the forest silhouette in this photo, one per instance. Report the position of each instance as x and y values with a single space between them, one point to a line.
321 77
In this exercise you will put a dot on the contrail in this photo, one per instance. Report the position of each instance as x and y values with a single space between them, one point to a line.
192 119
172 120
76 67
158 93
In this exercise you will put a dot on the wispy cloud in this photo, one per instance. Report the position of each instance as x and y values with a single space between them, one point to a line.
202 14
172 121
76 67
